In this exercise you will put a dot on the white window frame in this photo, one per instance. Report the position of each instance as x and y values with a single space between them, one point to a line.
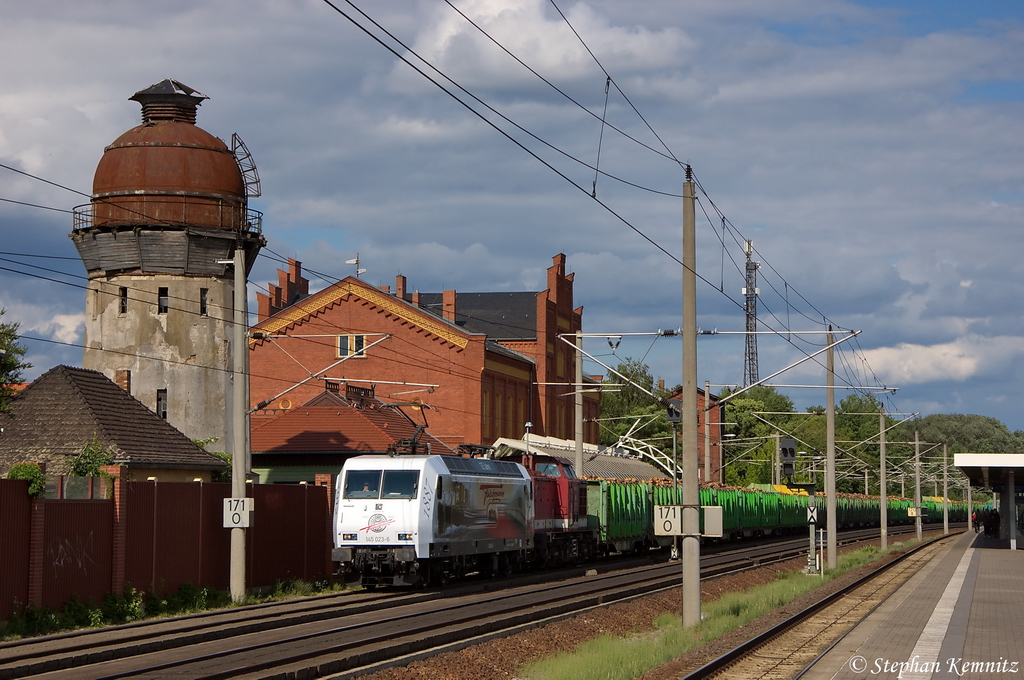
353 346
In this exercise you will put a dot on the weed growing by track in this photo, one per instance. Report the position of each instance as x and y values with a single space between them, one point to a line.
134 605
614 658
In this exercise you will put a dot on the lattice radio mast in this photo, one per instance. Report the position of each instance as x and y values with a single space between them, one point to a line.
750 307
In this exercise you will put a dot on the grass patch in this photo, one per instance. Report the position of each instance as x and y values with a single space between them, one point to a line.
133 605
615 658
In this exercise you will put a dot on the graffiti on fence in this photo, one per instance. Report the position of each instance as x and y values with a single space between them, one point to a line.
72 554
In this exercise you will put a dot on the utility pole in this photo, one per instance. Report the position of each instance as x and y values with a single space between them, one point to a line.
917 484
750 308
688 413
240 351
579 403
776 461
707 432
970 505
945 495
830 453
882 491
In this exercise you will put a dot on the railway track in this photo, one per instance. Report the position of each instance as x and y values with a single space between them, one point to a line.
338 633
789 648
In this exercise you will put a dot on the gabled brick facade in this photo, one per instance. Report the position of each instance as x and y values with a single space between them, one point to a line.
478 362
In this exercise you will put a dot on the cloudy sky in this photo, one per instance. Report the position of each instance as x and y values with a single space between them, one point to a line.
873 152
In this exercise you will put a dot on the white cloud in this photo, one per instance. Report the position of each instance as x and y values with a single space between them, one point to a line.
835 135
539 37
963 359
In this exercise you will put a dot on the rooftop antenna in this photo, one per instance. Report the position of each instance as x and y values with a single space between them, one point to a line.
356 263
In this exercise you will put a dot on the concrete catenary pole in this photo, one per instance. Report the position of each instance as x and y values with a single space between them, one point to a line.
579 403
917 484
970 503
707 431
830 454
883 505
688 413
239 350
777 460
945 494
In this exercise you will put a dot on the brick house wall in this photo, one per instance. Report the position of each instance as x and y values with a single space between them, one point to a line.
482 392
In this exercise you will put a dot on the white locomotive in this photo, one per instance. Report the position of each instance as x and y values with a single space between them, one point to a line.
408 519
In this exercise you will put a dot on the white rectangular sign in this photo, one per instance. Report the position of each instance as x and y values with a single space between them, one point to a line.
238 512
668 520
713 520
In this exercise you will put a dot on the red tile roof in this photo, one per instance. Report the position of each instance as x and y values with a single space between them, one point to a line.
330 424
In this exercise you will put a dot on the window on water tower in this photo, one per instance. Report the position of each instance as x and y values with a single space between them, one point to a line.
122 300
161 403
161 300
204 301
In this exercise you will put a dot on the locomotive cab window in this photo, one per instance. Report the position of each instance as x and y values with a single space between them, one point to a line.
548 469
362 484
400 484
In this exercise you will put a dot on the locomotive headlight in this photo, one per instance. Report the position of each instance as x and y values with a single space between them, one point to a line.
349 537
404 537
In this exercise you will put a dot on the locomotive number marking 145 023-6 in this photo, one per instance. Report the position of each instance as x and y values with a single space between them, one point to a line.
377 539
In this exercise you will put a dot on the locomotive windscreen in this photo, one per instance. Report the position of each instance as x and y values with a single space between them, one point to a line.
369 483
482 466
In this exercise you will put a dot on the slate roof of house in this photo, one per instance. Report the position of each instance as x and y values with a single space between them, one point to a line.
502 316
329 423
499 348
60 411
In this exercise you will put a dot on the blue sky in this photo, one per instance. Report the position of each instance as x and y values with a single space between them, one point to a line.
870 150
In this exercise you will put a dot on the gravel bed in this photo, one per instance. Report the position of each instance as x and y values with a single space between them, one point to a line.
498 659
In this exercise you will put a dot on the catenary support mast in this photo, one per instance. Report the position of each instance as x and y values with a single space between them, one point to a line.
688 413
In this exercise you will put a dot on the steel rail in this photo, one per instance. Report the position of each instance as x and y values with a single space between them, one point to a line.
725 660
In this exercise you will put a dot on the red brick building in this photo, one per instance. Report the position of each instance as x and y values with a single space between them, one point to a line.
474 366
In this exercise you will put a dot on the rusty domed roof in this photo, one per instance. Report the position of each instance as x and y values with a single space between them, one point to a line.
168 157
168 170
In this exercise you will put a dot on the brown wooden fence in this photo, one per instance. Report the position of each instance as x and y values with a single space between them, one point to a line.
154 535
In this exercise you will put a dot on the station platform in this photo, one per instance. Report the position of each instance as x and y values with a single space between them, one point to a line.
961 616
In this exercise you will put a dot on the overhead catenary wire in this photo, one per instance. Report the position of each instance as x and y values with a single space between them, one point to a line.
785 324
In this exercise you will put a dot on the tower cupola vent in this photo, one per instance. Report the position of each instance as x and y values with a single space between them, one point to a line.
168 100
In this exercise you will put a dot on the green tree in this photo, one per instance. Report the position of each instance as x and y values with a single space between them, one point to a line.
11 363
748 456
621 405
31 472
223 475
963 433
91 458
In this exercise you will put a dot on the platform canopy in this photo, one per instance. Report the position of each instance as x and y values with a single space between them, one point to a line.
991 470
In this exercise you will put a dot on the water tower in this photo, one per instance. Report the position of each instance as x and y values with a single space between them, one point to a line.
169 207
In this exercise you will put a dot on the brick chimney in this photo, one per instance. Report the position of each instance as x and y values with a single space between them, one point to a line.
448 308
123 379
400 284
